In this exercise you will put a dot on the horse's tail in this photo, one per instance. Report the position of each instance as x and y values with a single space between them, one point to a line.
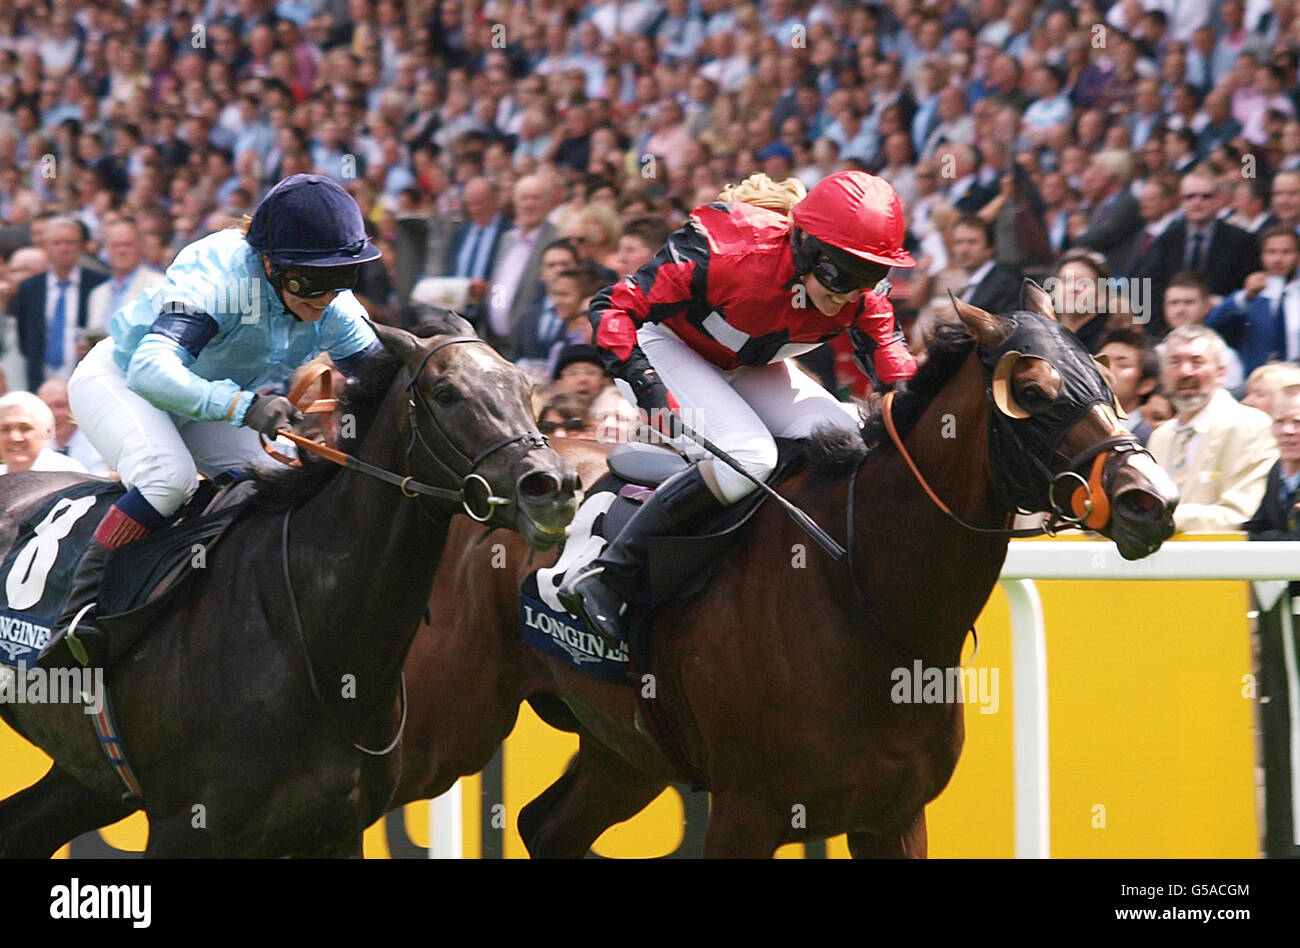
760 190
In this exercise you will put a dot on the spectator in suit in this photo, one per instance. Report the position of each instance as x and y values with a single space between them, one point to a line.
992 286
127 274
1187 303
1262 319
961 163
1250 211
1278 518
1220 253
52 306
1158 204
1114 221
1217 450
25 262
572 293
540 326
516 279
26 427
68 438
1148 112
1135 374
473 248
1278 515
1284 208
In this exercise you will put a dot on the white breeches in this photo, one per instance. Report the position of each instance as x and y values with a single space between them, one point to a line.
742 410
159 453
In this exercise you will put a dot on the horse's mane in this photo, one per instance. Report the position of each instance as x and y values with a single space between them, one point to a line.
288 487
835 451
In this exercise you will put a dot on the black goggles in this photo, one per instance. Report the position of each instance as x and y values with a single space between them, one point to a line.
840 280
317 281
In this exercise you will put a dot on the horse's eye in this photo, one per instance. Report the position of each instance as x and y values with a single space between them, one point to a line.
445 396
1033 398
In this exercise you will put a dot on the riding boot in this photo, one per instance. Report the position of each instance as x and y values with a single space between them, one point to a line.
76 634
599 595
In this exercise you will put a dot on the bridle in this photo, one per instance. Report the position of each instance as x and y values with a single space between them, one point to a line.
408 485
469 476
1088 505
474 494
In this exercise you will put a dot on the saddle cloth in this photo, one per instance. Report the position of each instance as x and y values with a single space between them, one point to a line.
139 578
679 566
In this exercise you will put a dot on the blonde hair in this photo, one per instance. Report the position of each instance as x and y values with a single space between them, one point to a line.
762 191
1276 375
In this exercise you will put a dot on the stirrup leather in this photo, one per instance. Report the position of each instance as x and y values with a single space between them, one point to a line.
75 645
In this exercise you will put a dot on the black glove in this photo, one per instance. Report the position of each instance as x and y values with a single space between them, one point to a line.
269 413
661 410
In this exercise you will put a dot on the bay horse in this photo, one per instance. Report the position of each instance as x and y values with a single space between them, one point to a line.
779 678
259 712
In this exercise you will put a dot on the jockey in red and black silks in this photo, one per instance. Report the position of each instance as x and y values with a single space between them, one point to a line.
706 327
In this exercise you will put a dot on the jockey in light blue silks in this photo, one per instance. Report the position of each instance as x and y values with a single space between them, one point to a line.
172 392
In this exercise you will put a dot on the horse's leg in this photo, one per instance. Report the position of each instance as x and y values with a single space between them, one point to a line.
597 790
742 827
909 842
55 810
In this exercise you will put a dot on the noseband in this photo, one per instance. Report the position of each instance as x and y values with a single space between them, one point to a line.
475 492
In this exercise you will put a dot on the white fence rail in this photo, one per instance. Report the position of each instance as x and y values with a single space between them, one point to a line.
1028 561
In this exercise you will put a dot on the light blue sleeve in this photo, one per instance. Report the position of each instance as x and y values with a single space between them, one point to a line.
159 373
354 332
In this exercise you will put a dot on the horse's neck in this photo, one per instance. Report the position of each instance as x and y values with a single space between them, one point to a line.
934 590
365 556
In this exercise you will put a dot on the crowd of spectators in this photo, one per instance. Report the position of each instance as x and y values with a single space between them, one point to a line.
513 157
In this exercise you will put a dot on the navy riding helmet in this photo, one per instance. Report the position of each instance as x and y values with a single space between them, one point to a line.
309 225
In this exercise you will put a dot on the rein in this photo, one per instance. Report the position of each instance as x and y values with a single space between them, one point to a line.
473 502
1084 511
311 672
408 485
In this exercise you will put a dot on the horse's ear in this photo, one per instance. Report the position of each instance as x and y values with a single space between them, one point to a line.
397 341
983 325
436 321
1035 299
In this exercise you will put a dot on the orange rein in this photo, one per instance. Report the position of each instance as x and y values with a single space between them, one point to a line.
317 372
1088 501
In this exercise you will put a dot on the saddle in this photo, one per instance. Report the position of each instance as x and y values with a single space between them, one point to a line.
139 578
679 566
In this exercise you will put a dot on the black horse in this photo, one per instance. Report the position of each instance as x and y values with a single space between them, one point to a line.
258 714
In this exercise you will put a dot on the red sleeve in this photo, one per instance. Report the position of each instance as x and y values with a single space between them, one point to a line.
665 286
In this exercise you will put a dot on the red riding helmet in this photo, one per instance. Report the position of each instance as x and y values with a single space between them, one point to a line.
856 213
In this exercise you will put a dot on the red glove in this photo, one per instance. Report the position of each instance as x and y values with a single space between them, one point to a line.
894 363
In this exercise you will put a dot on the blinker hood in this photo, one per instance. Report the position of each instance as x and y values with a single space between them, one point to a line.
1019 438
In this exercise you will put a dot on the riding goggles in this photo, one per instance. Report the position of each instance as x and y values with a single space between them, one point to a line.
841 281
317 281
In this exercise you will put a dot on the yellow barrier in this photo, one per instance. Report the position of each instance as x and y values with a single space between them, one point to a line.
1152 752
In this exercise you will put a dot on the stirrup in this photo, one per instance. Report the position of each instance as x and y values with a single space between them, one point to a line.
74 644
573 602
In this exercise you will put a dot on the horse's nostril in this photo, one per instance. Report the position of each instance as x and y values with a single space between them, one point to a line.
537 485
1139 503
